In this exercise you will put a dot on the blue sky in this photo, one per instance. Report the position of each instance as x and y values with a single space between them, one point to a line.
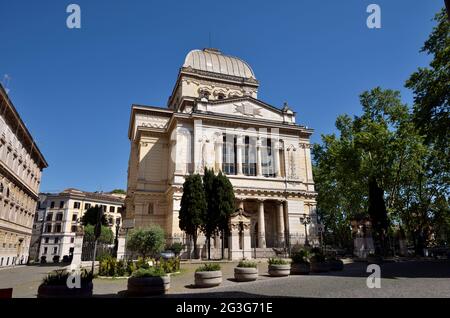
74 88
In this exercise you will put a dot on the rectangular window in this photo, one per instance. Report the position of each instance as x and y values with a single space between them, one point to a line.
56 240
72 239
104 208
74 217
55 250
57 228
267 158
87 206
46 240
150 208
76 205
45 250
48 228
52 205
112 209
49 217
73 229
59 217
249 160
229 154
61 204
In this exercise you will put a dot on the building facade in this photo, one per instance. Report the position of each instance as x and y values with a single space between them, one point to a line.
62 216
214 119
21 166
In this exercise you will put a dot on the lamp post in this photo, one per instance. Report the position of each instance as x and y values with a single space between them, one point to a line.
305 220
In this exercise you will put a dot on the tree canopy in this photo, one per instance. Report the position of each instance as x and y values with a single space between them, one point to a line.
147 242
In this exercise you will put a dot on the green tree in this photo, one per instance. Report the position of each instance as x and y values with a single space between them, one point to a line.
223 203
91 216
147 241
106 235
431 86
211 218
118 191
193 207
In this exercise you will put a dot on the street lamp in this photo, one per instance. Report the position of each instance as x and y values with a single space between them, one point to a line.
116 241
305 220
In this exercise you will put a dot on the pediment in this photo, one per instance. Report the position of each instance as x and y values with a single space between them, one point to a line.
244 107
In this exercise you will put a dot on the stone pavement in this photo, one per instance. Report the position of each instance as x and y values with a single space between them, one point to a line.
413 278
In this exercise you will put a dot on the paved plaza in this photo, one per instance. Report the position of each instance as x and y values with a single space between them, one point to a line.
413 278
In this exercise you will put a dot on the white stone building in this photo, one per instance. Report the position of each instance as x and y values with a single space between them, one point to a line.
63 212
214 119
21 165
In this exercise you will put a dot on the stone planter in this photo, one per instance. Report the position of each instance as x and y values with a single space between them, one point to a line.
62 291
279 270
245 274
208 279
300 268
147 286
320 267
336 264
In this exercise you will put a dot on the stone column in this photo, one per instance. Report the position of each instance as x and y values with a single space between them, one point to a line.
239 146
219 153
280 223
277 159
261 225
121 245
78 249
258 159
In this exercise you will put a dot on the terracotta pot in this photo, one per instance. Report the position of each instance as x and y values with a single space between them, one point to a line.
300 268
245 274
146 286
279 270
62 291
208 279
320 267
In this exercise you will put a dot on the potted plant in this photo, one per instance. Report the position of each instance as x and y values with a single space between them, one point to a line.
335 263
56 259
279 267
56 285
148 281
318 263
208 275
300 264
43 259
246 271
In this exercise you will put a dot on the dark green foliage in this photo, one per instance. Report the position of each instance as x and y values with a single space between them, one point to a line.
59 278
91 216
147 241
193 207
300 257
223 200
211 218
176 247
106 236
278 261
149 272
247 264
171 265
208 267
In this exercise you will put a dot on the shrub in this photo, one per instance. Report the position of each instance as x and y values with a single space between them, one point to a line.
150 272
59 278
176 248
43 259
208 267
247 264
278 261
300 257
317 255
147 242
56 259
170 265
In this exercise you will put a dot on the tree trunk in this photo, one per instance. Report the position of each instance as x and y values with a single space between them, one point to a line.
194 237
208 241
223 244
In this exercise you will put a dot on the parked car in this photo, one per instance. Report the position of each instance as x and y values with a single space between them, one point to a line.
167 254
